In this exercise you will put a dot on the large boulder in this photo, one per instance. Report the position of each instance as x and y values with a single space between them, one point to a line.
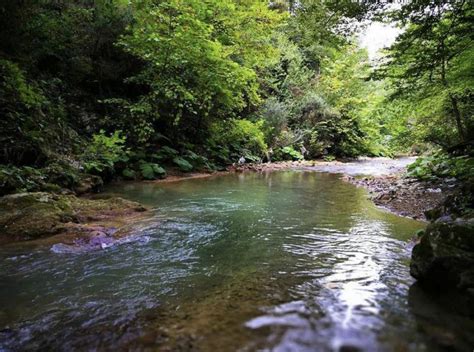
444 257
28 216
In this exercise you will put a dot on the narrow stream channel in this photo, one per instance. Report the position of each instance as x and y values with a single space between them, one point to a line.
284 261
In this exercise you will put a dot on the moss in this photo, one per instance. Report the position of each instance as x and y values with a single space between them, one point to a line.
444 257
27 216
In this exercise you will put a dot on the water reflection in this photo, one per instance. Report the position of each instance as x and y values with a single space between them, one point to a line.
344 304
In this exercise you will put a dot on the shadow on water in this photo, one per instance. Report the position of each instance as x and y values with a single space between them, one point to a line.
445 317
287 261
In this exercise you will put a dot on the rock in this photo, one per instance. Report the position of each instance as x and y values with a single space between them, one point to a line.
445 317
31 215
444 257
89 184
434 213
27 216
384 197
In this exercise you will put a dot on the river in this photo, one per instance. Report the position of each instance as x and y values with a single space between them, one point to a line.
283 261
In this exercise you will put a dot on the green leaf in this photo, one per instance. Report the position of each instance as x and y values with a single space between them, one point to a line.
129 174
151 171
183 164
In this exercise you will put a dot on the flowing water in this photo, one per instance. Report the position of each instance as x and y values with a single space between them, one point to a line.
284 261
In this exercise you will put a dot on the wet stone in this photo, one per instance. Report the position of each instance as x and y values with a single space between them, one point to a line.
31 216
444 257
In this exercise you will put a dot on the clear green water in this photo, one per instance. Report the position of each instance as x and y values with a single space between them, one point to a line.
289 261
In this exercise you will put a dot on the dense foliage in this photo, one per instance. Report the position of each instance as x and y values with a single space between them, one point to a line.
430 69
441 165
131 89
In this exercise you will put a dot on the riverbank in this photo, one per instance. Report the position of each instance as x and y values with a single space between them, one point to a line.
404 196
176 175
91 219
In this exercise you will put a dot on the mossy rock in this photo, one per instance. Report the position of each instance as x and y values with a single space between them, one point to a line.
27 216
31 215
444 257
89 184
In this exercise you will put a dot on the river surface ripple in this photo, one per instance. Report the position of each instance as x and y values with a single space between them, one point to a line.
283 261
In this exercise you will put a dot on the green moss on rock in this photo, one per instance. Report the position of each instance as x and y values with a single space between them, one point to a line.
27 216
444 257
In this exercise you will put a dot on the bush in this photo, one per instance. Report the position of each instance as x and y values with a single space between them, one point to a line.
441 165
54 177
289 153
199 161
32 127
234 138
329 158
275 115
183 164
129 174
62 173
165 154
103 153
151 171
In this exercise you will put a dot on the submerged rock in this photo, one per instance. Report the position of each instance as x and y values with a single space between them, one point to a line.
444 257
98 242
28 216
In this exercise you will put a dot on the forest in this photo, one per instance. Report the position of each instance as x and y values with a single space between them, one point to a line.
121 89
236 175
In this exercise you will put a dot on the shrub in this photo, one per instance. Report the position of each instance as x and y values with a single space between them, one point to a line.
103 153
53 177
234 138
290 153
165 153
32 127
183 164
62 173
329 158
441 165
151 171
199 161
129 174
275 115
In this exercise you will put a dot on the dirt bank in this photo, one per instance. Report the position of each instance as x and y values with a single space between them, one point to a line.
177 175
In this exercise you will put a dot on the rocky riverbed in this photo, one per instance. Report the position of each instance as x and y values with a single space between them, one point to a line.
404 196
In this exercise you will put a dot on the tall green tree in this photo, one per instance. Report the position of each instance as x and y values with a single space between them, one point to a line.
201 61
431 65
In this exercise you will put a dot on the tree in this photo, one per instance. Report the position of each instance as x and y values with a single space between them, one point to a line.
201 60
431 65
